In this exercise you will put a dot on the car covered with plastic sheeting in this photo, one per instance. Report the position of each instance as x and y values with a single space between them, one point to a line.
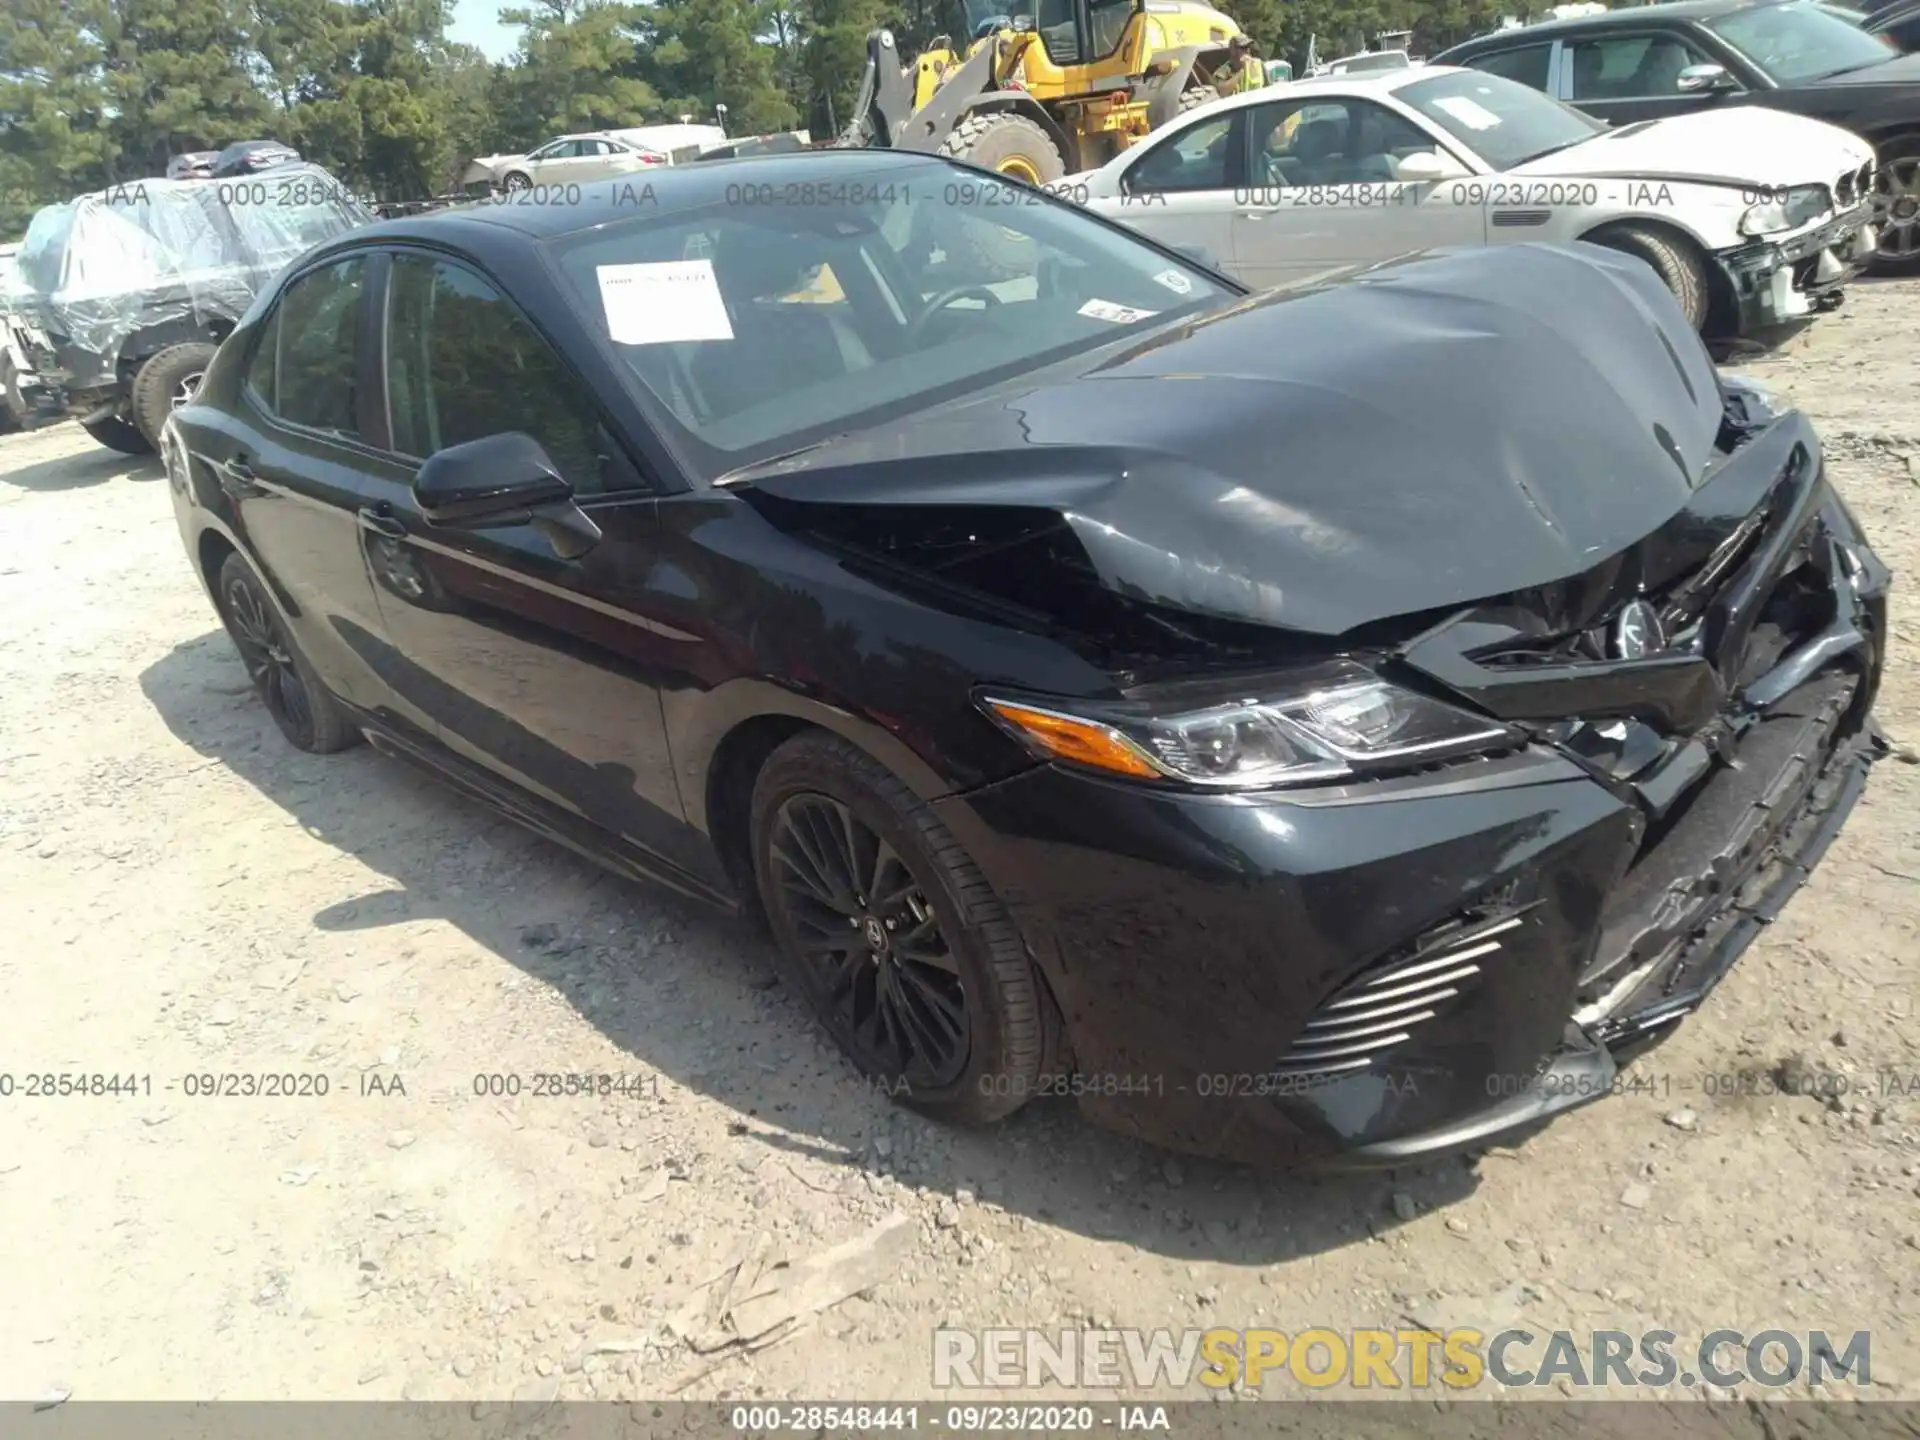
126 293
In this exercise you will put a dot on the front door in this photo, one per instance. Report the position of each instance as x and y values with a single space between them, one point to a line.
1626 76
1181 191
542 669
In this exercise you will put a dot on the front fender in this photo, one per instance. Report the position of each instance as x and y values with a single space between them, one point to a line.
701 722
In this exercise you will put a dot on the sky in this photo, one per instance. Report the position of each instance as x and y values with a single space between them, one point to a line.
475 22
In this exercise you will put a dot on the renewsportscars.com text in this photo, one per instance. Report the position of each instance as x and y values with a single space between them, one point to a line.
1381 1359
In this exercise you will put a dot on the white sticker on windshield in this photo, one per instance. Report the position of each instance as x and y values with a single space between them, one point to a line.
1119 314
1175 281
663 303
1470 113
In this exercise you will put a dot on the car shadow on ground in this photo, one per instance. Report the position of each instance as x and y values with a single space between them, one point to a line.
80 472
696 996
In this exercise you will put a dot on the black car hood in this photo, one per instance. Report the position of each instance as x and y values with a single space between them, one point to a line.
1429 433
1894 70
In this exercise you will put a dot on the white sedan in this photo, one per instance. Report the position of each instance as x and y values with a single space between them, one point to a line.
1753 217
578 159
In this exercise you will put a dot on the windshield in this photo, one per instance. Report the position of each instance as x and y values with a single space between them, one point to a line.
1503 122
754 330
1384 60
1798 41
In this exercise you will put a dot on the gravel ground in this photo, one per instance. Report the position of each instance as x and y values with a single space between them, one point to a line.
186 895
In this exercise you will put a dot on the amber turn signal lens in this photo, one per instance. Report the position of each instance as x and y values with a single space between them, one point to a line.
1081 741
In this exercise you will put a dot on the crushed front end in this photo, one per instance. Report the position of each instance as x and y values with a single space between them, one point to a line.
1383 971
1725 698
1777 280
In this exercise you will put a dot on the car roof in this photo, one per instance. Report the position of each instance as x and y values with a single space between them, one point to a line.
652 192
1631 17
1363 82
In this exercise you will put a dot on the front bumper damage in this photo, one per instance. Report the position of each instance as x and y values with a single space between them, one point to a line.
1378 973
1774 282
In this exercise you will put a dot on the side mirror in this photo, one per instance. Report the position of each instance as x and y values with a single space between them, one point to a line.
487 478
1427 165
1699 79
506 479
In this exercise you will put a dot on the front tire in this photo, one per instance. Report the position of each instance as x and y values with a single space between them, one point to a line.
299 703
1676 261
169 379
892 935
516 181
118 434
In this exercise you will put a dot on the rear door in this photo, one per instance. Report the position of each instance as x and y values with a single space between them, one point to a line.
543 670
1183 188
1327 191
295 459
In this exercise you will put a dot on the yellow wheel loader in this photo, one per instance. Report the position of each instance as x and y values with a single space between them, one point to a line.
1057 87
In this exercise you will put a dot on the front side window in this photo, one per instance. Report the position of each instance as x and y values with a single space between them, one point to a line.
1198 158
1319 142
463 363
748 331
1527 65
1107 20
1799 41
315 341
1059 30
1628 67
1503 123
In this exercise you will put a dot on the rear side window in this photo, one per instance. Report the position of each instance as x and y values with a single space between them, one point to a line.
1528 64
463 363
306 367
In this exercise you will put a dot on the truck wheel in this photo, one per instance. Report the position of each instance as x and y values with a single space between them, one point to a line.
167 381
1896 206
1674 260
118 434
1010 144
1013 146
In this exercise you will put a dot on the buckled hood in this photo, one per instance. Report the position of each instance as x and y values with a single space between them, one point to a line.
1429 433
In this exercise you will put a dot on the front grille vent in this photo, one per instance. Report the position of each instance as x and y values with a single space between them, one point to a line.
1383 1007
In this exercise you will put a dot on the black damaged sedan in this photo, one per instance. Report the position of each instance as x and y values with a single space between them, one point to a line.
1347 722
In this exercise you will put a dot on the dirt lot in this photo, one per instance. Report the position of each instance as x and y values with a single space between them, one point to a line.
186 895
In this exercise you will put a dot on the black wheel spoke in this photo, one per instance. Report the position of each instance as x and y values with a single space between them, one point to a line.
938 1026
801 867
888 881
856 920
924 945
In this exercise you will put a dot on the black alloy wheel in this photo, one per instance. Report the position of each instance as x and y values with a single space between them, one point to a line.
871 942
300 705
893 937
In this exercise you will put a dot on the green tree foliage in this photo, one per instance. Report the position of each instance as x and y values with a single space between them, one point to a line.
94 92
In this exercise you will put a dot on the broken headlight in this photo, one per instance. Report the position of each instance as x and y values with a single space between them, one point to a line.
1786 210
1343 721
